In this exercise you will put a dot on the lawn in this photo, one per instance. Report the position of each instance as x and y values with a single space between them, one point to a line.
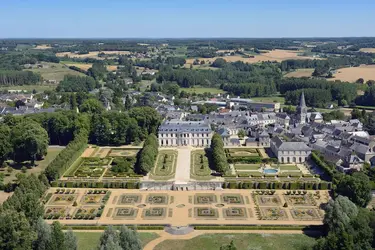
242 241
90 240
30 88
165 166
52 152
268 99
201 90
246 166
200 169
288 167
55 71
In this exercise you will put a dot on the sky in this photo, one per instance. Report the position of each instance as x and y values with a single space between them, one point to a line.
186 18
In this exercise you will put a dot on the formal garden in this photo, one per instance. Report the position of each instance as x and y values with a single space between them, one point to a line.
155 213
206 213
165 167
200 167
128 199
200 199
158 199
234 213
125 213
232 199
56 213
305 214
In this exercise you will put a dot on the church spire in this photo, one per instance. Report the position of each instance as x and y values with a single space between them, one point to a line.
302 102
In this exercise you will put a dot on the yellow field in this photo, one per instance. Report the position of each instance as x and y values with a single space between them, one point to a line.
367 72
92 54
273 55
300 73
367 50
86 66
43 46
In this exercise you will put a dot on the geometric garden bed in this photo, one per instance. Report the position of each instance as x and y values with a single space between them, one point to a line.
305 214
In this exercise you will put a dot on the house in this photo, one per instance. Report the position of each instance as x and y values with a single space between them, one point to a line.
350 163
185 133
290 152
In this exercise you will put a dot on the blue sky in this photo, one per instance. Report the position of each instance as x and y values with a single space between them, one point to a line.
187 18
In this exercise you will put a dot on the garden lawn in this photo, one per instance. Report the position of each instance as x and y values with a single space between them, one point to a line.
52 152
90 240
167 169
288 167
246 166
242 241
199 170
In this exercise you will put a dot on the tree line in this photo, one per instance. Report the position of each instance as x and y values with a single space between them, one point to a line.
15 78
219 158
148 154
342 92
72 83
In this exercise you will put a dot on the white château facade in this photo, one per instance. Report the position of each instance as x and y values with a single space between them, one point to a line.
290 152
184 133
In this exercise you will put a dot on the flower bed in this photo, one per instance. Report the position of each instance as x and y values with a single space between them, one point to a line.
204 198
154 213
206 213
305 214
129 199
56 213
232 199
125 213
160 199
235 213
62 199
272 213
88 213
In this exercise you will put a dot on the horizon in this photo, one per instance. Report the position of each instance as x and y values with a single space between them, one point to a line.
165 19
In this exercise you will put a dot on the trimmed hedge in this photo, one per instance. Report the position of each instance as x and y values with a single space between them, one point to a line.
257 227
327 169
81 184
66 157
278 185
137 227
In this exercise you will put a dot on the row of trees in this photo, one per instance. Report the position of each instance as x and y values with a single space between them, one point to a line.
219 158
148 154
124 239
13 77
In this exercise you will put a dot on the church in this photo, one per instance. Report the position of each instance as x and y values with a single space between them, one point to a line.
303 117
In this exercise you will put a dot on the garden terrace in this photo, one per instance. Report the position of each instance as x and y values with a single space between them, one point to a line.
121 167
199 169
165 167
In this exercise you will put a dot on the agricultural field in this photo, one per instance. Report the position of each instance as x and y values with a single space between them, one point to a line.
273 55
92 54
367 50
86 66
43 46
55 71
202 90
351 74
300 73
242 241
10 175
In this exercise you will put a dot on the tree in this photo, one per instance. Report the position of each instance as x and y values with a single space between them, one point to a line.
356 187
30 141
71 242
241 134
44 235
218 154
219 63
231 246
339 213
360 81
129 239
128 102
5 143
109 238
92 105
57 236
15 231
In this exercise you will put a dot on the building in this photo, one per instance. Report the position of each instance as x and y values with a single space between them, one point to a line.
251 105
185 133
290 152
302 110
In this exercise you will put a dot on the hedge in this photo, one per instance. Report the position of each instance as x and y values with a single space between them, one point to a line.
277 185
103 227
81 184
327 169
258 227
66 157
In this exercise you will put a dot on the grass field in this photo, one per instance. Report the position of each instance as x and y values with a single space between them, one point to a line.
90 240
273 55
52 152
288 167
300 73
242 241
86 66
201 90
30 88
56 71
351 74
279 99
92 54
367 50
246 166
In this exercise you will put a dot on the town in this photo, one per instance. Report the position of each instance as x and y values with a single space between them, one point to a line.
231 139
